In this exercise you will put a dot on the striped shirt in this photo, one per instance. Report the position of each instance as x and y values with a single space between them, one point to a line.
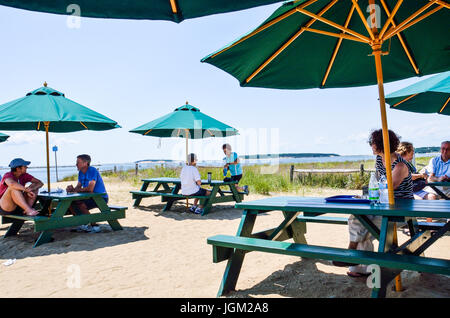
405 189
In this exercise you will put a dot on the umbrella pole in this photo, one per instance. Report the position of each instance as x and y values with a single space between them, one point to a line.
387 153
48 155
187 153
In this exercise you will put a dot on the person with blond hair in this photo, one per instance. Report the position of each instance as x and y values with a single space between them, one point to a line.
406 150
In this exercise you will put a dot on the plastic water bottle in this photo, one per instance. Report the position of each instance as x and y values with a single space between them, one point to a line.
374 190
384 194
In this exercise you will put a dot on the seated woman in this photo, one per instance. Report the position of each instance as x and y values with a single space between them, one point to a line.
14 195
191 182
360 238
406 150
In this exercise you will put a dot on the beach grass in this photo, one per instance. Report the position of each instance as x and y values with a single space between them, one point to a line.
267 179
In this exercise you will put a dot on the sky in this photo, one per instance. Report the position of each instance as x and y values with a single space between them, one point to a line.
136 71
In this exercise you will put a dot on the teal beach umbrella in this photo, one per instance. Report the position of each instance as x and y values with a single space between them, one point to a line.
187 122
331 43
3 137
46 109
172 10
428 96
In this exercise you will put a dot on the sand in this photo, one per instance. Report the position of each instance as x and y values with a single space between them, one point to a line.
164 254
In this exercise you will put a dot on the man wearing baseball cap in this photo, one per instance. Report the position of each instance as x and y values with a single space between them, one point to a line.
14 195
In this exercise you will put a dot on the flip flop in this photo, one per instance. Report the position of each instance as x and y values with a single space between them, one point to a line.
356 275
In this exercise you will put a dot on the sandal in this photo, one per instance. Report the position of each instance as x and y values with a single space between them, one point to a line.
355 274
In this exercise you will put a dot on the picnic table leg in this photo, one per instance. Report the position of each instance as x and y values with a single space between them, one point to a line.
236 195
14 228
386 242
234 264
297 230
170 201
60 211
144 187
101 204
209 201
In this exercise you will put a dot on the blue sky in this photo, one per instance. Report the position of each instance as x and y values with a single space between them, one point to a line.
137 71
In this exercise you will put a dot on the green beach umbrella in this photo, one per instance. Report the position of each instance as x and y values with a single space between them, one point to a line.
428 96
187 122
3 137
172 10
46 109
331 43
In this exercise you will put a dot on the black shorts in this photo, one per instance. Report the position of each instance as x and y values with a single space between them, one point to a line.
17 211
234 178
200 192
90 203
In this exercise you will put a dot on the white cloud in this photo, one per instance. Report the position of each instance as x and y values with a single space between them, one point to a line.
33 138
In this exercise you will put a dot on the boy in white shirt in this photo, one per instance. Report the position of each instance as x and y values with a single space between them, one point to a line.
191 182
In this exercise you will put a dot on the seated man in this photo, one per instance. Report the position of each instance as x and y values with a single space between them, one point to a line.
14 196
191 182
439 168
89 180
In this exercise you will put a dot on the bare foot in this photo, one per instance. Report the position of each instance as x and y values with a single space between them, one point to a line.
31 212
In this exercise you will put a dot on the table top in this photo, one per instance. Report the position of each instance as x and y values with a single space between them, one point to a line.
178 181
68 196
411 208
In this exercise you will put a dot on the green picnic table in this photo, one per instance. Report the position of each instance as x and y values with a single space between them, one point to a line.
435 185
169 188
55 206
297 211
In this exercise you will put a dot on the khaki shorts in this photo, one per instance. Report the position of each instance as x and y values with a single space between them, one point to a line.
444 190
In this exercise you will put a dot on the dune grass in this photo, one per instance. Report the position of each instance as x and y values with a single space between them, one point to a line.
266 179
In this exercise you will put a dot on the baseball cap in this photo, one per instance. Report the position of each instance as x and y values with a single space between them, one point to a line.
18 162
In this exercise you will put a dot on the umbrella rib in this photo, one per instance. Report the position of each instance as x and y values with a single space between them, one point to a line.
363 18
445 105
337 35
84 125
338 46
390 16
174 6
405 99
393 31
39 125
402 41
286 44
335 25
265 26
147 131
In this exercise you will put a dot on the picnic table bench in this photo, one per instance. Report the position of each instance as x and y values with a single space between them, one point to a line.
168 189
55 206
391 258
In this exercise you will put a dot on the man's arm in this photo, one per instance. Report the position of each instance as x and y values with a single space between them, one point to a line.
89 188
36 184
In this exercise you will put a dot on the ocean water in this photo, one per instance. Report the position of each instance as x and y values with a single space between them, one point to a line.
65 171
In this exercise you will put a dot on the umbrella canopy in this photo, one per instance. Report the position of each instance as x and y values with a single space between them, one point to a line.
48 110
428 96
185 118
331 43
3 137
46 105
188 122
172 10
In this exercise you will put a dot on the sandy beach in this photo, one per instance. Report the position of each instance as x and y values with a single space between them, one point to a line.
164 254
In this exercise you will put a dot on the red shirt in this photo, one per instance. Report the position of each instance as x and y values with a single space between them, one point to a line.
23 180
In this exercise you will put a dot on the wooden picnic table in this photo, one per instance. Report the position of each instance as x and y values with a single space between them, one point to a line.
435 185
55 206
391 258
169 188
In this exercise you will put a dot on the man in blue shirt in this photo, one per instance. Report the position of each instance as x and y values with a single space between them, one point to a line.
439 170
89 180
234 166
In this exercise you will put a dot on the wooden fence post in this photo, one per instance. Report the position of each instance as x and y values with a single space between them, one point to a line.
291 173
362 169
137 169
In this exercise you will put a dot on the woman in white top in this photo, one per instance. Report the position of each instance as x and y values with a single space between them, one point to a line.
191 182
